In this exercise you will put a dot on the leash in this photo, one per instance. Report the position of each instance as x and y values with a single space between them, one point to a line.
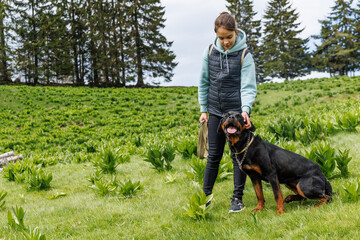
244 150
249 143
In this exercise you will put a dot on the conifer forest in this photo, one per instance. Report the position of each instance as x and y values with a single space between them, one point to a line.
120 43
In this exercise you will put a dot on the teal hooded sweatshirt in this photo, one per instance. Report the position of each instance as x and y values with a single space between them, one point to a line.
248 88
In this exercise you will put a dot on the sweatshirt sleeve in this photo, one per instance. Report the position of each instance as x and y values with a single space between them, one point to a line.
248 83
204 82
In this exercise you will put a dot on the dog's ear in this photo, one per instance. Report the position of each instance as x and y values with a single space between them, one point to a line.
252 128
222 120
240 118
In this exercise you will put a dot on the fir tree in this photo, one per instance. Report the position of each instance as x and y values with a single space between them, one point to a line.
93 17
152 55
120 70
244 16
30 33
98 42
123 44
337 50
356 26
4 47
284 52
57 63
322 55
77 39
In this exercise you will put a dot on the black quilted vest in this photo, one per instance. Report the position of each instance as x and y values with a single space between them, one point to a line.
225 81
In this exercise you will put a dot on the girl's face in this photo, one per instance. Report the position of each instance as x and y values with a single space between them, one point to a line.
227 38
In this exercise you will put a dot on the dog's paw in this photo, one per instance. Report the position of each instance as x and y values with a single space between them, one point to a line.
291 198
258 208
280 211
288 199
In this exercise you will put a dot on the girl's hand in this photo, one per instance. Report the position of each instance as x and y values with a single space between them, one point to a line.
203 117
246 120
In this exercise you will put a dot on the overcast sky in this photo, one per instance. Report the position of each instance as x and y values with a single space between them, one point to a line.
190 25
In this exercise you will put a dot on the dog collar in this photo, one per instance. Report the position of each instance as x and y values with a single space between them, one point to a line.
246 146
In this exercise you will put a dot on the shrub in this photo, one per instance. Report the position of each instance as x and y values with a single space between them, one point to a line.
2 196
90 147
124 157
16 222
348 121
160 156
38 179
107 160
197 170
129 188
138 142
351 191
170 178
313 130
196 208
187 147
342 161
328 159
103 187
225 168
323 155
34 234
16 219
96 176
12 169
285 127
81 157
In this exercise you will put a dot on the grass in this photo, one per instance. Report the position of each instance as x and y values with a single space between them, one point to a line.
157 212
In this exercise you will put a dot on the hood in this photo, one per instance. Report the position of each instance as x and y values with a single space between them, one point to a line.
239 44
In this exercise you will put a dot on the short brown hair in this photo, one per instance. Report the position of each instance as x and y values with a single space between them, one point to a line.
226 21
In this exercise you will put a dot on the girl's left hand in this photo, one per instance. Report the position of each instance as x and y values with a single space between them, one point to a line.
246 120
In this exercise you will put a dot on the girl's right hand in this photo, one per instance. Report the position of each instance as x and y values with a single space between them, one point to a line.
203 117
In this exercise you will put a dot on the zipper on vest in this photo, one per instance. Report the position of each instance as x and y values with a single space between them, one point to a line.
219 95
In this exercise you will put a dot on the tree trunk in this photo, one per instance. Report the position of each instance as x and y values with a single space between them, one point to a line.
34 50
140 80
4 70
9 157
8 154
75 51
122 61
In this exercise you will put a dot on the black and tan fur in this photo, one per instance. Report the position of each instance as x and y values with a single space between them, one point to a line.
268 162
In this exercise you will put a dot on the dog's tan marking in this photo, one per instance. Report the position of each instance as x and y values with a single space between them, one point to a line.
291 198
300 192
323 200
223 126
259 195
233 139
253 167
292 188
240 127
280 202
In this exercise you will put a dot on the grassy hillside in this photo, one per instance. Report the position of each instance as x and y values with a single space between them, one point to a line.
66 131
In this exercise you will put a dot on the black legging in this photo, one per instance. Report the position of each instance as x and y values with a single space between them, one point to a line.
217 142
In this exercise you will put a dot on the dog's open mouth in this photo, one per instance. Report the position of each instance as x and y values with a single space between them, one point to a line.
231 129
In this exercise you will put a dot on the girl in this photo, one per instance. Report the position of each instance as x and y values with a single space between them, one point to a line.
226 84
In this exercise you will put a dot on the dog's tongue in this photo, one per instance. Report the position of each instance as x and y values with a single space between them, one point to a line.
231 130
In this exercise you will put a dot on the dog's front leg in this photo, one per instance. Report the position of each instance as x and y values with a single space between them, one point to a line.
259 193
275 185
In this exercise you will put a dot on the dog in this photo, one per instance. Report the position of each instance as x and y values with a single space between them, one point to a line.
261 160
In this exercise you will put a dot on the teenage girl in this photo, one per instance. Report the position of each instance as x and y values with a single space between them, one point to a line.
226 84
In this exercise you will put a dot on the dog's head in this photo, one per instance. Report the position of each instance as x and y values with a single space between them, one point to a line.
233 124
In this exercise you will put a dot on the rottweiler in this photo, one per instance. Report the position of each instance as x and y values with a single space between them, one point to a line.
261 160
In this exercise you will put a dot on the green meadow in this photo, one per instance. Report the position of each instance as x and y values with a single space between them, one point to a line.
84 174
